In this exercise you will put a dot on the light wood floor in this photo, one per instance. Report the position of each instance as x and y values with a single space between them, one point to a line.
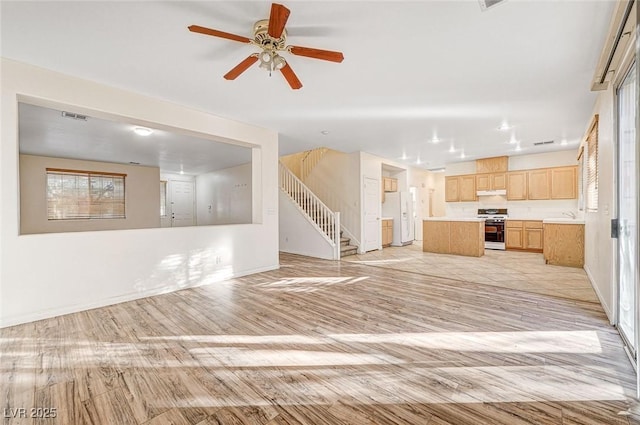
320 342
524 271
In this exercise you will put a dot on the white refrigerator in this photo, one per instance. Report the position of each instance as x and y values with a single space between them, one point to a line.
399 206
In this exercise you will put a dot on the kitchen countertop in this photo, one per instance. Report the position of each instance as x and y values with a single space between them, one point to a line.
386 218
472 219
562 220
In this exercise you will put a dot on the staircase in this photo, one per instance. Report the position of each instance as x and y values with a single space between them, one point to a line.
346 248
325 221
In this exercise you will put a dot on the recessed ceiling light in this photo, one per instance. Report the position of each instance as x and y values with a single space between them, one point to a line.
452 149
418 161
518 148
142 131
462 155
437 170
435 139
404 156
564 142
513 140
324 132
504 126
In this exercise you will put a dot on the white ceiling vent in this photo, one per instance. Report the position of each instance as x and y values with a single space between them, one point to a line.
488 4
548 142
74 116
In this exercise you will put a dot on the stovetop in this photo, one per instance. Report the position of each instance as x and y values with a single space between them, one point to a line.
493 213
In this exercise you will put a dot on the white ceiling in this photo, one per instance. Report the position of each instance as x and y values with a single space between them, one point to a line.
412 70
46 132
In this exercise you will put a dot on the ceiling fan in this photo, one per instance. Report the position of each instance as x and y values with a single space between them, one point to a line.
270 36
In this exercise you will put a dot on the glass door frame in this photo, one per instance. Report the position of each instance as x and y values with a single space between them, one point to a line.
632 346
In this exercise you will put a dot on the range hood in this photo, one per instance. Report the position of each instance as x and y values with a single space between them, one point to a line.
491 192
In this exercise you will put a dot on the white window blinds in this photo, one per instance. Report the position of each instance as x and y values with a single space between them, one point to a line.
592 167
73 195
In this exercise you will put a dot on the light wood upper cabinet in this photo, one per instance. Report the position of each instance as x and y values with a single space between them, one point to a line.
483 182
493 181
564 182
539 184
468 188
452 189
460 188
517 185
492 165
498 181
390 184
542 183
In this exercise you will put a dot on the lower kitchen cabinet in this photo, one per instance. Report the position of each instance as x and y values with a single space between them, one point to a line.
459 237
387 232
564 244
524 235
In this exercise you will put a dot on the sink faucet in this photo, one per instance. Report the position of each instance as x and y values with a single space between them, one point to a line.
570 214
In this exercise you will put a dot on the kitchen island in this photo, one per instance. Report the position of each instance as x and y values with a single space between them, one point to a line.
449 235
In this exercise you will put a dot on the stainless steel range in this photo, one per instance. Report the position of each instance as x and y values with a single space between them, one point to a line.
493 227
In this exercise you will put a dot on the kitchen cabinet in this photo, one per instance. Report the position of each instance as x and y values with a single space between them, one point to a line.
451 189
564 244
533 239
460 188
459 237
516 185
387 232
538 182
525 235
564 182
435 236
492 165
492 181
390 184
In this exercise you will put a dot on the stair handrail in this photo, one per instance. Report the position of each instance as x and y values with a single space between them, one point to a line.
324 219
310 160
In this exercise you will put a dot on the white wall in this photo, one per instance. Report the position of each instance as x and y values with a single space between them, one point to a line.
599 247
50 274
298 235
224 196
142 197
429 196
335 180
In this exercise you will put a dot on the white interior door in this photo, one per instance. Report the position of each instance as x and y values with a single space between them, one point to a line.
627 211
372 229
182 203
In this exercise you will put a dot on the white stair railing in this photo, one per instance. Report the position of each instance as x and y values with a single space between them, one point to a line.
326 221
310 160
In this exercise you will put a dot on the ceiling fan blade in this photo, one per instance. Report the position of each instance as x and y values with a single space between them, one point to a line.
241 67
277 20
216 33
291 77
326 55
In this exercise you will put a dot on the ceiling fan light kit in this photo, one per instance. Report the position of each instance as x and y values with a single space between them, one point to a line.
270 35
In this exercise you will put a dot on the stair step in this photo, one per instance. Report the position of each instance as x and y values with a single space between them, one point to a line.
348 250
344 241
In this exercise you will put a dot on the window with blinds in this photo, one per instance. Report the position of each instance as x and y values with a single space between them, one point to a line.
592 167
75 195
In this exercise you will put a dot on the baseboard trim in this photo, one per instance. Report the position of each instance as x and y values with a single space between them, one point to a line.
606 309
132 296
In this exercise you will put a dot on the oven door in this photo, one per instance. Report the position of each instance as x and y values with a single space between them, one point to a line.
494 233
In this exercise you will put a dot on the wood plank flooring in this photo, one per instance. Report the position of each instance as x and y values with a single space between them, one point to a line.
525 271
320 342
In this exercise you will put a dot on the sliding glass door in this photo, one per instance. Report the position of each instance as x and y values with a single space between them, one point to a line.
627 209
